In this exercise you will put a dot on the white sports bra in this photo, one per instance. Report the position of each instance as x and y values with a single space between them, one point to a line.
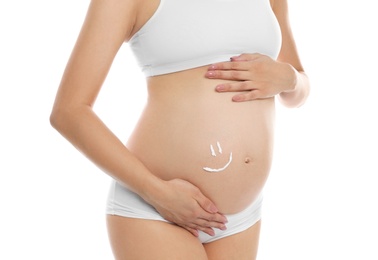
184 34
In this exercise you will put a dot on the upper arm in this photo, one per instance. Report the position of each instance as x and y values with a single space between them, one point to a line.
288 53
107 25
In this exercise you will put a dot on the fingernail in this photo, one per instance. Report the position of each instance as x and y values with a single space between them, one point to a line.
223 227
212 67
213 209
237 98
233 58
220 87
210 74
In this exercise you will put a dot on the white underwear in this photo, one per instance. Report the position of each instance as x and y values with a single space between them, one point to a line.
125 203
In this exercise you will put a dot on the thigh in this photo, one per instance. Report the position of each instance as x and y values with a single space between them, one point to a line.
132 238
241 246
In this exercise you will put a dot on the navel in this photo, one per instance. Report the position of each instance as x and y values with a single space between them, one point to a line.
247 160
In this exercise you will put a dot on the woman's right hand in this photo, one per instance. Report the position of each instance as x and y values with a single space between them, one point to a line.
184 204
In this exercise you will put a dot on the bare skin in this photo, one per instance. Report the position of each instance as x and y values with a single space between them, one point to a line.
166 241
180 190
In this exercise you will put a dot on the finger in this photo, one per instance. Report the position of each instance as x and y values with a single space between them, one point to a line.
210 211
248 96
205 203
208 227
211 220
192 230
235 86
203 223
228 74
206 230
246 57
229 66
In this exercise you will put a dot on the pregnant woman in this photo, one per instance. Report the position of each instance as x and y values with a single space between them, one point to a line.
188 182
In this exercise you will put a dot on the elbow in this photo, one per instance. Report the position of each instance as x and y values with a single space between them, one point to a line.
61 115
56 118
304 96
66 117
290 104
296 98
294 102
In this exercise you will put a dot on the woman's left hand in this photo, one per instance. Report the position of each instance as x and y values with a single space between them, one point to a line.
256 76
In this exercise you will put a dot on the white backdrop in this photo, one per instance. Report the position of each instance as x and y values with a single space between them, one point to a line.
320 200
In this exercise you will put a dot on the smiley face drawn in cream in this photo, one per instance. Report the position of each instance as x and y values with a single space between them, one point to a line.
208 169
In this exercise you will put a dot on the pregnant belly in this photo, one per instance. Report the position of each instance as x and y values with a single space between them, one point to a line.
222 147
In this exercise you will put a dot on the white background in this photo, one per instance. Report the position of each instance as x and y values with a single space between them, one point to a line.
320 200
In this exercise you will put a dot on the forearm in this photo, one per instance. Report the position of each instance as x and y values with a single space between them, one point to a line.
89 134
299 94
